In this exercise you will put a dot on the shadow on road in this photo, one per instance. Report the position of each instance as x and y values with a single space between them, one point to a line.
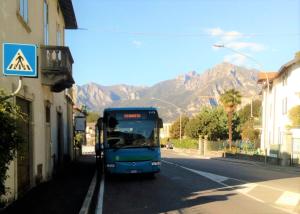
178 190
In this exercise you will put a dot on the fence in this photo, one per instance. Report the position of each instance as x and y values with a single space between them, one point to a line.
239 146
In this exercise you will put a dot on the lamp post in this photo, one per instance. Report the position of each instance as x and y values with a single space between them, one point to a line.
260 67
247 56
180 114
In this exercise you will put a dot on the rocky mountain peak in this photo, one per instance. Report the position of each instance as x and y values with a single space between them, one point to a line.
189 91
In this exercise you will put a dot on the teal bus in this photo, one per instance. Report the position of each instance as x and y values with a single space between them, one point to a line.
128 139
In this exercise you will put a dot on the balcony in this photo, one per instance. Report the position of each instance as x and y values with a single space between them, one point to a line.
56 66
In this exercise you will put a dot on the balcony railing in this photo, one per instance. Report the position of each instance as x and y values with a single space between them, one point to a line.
56 66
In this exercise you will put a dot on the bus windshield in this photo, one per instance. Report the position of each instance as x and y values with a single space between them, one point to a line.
131 133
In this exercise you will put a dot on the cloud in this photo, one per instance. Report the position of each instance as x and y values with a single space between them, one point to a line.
215 31
137 43
223 35
231 36
246 45
235 59
235 40
232 39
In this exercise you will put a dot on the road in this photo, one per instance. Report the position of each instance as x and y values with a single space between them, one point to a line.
188 184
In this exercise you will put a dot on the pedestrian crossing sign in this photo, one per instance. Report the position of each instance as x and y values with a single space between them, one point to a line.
19 60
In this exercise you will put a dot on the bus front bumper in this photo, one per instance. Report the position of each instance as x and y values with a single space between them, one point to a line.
133 167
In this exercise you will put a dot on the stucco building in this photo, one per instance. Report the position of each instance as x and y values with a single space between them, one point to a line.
278 138
48 99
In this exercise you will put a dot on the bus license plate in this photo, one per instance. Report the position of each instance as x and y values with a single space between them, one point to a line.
133 171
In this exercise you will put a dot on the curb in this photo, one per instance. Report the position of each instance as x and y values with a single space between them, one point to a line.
268 166
88 198
232 160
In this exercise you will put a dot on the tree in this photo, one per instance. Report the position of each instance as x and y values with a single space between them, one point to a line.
294 116
249 133
213 123
9 136
245 112
230 99
175 128
92 117
210 122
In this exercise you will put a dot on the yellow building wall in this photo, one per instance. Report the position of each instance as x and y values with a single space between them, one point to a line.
13 30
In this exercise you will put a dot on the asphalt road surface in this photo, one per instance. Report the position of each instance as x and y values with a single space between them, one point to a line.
188 184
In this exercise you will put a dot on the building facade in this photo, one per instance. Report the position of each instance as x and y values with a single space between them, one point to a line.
165 131
278 138
47 100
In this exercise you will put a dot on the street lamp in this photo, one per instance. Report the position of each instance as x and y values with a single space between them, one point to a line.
247 56
180 113
257 63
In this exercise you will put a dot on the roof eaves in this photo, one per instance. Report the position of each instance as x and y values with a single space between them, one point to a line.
68 13
263 76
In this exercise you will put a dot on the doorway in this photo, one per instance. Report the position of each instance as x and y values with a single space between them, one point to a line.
60 143
24 149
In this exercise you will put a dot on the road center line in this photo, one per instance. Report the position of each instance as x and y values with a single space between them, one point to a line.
99 208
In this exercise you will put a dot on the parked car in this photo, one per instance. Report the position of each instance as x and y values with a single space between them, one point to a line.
169 145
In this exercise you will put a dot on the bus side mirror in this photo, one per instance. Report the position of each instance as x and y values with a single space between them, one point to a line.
160 123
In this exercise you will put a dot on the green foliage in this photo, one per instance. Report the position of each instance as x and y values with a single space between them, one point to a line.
175 128
230 99
9 137
185 143
245 112
249 133
294 116
78 139
92 117
210 121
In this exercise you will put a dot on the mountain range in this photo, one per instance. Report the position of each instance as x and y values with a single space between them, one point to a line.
185 93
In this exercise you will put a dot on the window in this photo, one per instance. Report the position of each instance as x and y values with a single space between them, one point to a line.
48 114
46 23
284 105
24 10
58 35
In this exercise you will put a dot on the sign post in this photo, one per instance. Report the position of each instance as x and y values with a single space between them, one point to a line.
19 60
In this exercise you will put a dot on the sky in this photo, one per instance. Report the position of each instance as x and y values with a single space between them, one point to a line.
143 42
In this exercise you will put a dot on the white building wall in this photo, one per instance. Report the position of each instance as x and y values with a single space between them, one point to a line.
283 95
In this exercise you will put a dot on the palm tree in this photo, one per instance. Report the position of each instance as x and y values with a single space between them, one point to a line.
230 99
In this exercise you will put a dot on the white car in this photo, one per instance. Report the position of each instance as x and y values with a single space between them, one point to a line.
169 145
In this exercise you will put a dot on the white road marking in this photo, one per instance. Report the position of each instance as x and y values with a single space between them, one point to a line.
243 181
99 208
289 199
247 187
88 198
218 179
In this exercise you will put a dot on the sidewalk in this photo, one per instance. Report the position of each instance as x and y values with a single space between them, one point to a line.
218 156
63 194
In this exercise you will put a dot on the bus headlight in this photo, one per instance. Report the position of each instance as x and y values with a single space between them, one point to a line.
156 163
110 165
